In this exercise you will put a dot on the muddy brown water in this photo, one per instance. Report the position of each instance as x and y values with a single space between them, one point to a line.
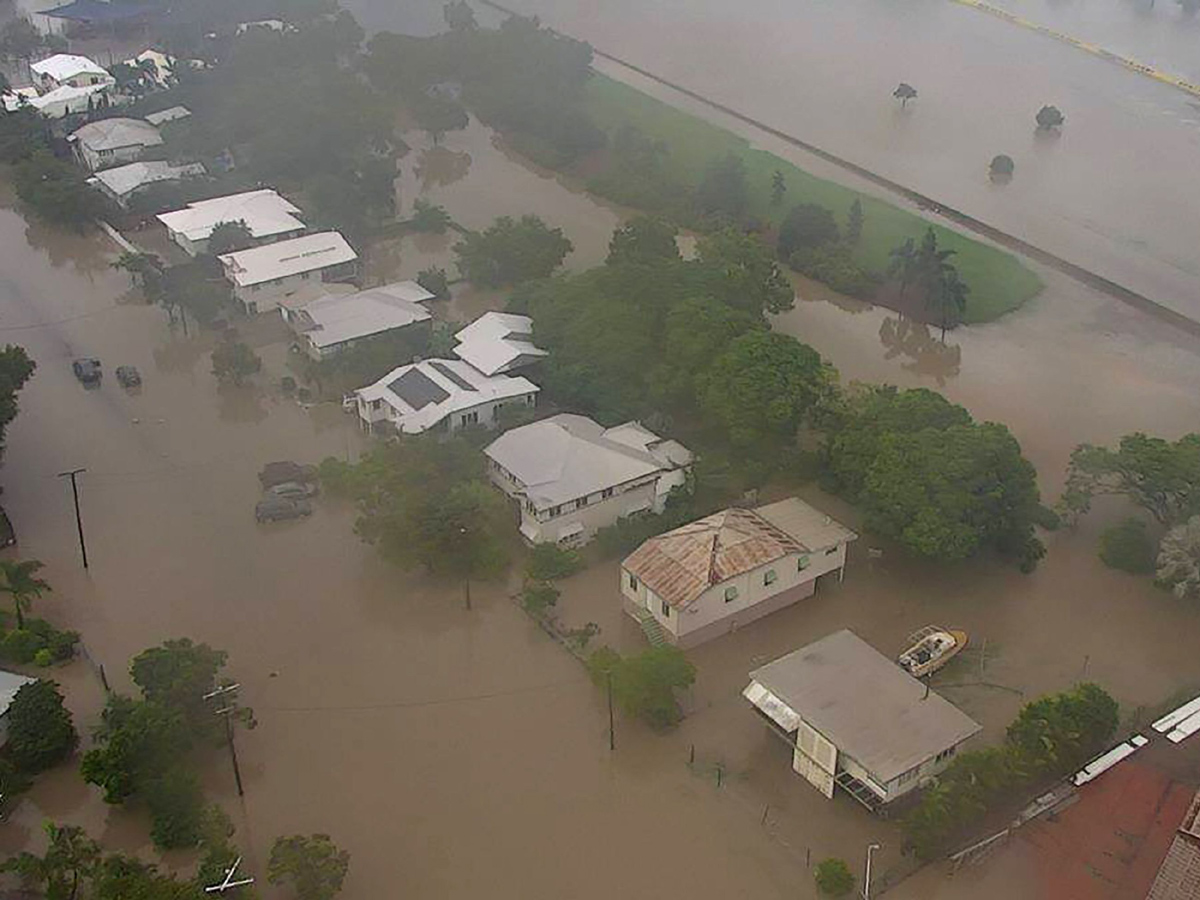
456 753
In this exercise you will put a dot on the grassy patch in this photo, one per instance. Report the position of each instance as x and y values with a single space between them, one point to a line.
998 281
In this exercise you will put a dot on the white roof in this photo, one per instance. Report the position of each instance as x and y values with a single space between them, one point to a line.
264 212
55 103
810 526
334 319
496 341
865 704
424 393
303 254
127 179
168 115
567 456
114 134
62 66
163 64
10 683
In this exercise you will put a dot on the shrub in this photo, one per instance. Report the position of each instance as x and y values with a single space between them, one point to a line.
1127 546
429 218
644 685
538 597
806 227
549 562
40 733
834 878
176 806
833 266
23 645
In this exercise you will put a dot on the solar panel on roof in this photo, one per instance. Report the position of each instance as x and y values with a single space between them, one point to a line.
453 376
416 389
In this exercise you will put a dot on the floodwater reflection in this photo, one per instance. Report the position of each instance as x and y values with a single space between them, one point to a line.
926 354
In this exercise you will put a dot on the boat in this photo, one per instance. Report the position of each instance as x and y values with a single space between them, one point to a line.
931 648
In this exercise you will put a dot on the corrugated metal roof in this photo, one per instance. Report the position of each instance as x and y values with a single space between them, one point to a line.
263 211
114 134
813 528
62 66
338 318
1179 876
303 254
682 564
864 703
126 179
496 342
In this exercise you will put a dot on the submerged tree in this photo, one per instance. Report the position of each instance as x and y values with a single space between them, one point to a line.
905 92
40 733
1002 167
20 581
1178 567
71 857
1160 476
1049 118
312 865
235 361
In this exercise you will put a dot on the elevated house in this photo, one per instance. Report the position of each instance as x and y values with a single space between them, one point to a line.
113 142
572 477
855 720
498 342
263 277
121 183
440 395
268 216
68 70
336 322
711 576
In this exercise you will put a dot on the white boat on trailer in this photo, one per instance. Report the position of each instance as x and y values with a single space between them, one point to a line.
931 648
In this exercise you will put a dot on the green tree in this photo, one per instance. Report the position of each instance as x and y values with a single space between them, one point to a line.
56 191
16 368
435 281
195 287
696 331
511 251
20 581
227 237
22 134
905 92
1049 118
948 299
135 743
177 675
806 227
1061 732
763 387
550 562
40 733
120 877
459 16
724 191
437 114
903 264
1001 167
1178 565
176 806
429 218
1160 476
71 857
235 361
644 685
145 270
312 865
948 494
1128 547
741 271
834 878
778 187
643 239
854 221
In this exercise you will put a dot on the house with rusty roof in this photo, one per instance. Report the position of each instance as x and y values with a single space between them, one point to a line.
1178 877
711 576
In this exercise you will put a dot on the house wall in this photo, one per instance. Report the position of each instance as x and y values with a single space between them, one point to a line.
711 615
370 412
105 159
265 297
319 353
197 247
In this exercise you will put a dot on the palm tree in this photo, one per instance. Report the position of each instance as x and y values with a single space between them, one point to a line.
904 263
948 299
20 581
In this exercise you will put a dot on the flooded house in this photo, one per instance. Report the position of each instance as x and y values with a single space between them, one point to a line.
68 70
856 721
572 476
333 323
498 342
111 142
267 216
263 277
121 183
709 577
439 395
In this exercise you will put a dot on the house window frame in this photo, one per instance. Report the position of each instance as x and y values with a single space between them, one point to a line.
803 562
770 577
731 593
633 581
666 609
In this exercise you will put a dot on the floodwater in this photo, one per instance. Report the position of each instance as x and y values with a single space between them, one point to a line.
458 753
1111 193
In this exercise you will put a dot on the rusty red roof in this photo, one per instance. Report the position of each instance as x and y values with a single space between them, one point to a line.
681 564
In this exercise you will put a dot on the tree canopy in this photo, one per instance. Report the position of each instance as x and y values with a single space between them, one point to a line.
805 227
741 270
40 733
723 191
1178 564
1160 476
227 237
644 685
312 865
512 250
643 239
16 368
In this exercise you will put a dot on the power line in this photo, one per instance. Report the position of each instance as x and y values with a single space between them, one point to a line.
75 318
412 704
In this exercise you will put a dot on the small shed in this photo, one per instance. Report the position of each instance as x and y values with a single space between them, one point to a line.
856 720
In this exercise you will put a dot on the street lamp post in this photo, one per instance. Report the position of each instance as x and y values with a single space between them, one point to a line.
466 570
78 518
871 848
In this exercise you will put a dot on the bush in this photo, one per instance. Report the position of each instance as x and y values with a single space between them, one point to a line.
833 266
834 878
538 597
23 645
429 218
176 806
435 281
644 685
807 226
549 562
1127 546
40 733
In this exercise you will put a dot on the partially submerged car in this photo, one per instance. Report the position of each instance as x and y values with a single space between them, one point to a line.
280 509
129 376
87 370
294 490
283 471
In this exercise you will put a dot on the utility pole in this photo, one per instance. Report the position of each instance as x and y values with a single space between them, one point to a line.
462 531
228 712
78 518
612 734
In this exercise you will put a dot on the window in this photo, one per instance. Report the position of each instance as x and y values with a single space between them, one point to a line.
666 608
730 594
802 563
945 754
305 275
555 511
633 582
769 577
256 287
471 418
606 493
581 502
908 776
377 404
